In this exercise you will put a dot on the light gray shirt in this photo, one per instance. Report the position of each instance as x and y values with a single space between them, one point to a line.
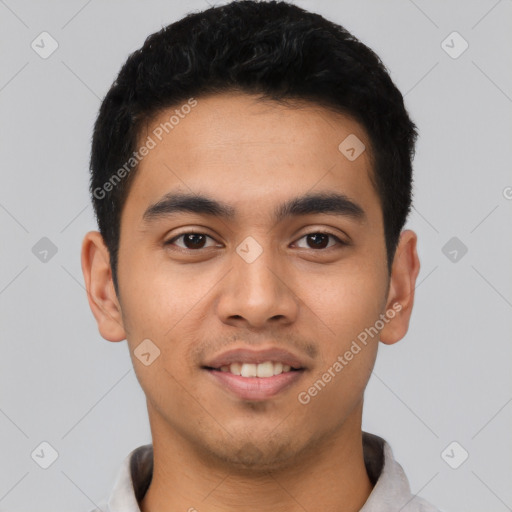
391 491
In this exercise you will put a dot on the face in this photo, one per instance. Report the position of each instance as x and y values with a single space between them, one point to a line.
283 262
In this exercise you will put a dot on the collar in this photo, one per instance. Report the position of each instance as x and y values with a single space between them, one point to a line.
391 492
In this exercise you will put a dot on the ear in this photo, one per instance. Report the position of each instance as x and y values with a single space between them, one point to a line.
100 288
404 271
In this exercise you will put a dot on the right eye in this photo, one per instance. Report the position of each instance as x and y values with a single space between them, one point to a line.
192 240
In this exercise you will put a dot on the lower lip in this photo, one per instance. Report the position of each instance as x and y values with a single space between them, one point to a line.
256 388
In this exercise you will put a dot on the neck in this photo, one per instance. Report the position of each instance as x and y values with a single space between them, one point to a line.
331 476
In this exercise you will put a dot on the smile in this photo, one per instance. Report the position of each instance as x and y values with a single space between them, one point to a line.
255 382
262 370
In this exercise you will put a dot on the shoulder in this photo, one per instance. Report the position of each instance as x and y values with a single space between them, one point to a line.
391 486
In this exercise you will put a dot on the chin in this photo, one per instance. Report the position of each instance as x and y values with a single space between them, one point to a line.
252 457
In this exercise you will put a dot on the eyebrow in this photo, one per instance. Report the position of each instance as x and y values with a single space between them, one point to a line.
328 203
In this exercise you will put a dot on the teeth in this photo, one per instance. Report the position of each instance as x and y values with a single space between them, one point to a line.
278 368
235 368
249 370
266 369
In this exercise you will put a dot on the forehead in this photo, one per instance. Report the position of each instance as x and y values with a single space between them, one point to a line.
252 154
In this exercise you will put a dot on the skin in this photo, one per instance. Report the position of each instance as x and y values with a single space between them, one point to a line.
212 450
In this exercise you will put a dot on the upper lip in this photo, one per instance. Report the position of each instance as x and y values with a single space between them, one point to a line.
247 355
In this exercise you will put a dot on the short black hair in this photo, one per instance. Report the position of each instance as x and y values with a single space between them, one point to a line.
275 50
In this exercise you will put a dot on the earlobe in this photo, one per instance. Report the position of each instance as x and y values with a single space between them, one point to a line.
405 269
100 287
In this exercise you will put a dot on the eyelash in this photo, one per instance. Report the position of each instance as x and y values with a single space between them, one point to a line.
332 235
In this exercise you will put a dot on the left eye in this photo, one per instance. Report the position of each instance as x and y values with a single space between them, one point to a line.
320 239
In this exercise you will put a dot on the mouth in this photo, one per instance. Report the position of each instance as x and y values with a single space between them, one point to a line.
261 370
255 375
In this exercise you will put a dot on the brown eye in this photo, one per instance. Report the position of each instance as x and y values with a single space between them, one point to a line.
191 241
320 240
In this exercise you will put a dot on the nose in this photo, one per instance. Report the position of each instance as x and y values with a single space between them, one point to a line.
259 294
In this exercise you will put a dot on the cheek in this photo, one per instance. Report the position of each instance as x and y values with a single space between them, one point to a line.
344 303
344 310
349 303
157 296
156 307
331 394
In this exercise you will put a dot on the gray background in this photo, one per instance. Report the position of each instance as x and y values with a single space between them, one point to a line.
448 380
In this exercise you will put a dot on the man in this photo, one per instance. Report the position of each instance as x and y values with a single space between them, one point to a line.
251 176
